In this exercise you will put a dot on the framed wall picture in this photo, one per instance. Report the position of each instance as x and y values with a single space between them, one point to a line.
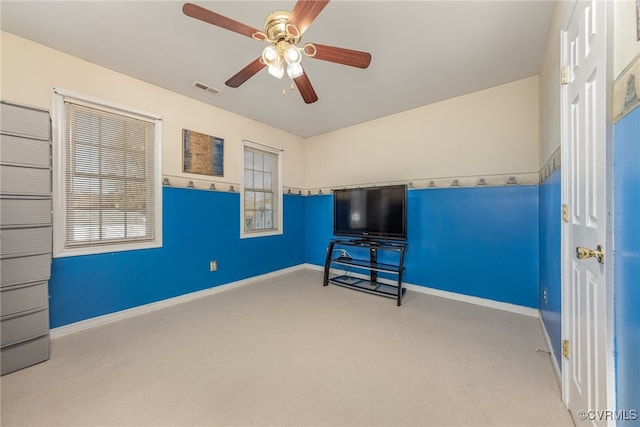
202 154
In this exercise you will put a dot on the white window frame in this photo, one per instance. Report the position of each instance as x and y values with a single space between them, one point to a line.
277 192
59 187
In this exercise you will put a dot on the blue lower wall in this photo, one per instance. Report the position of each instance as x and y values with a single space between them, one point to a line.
550 261
319 228
481 242
198 226
476 241
627 262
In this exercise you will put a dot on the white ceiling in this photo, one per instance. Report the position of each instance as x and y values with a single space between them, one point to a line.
422 51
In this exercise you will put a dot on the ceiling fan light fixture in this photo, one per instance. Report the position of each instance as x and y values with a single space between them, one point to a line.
292 55
271 56
294 70
277 71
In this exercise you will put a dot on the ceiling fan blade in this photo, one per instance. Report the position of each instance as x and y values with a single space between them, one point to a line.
199 12
306 90
353 58
246 73
304 12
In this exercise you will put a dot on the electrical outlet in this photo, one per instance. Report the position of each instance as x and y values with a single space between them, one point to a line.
213 265
545 296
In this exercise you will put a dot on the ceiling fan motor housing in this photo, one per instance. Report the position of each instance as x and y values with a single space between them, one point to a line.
277 28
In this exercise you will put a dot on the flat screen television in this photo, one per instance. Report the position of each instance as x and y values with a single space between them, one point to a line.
371 212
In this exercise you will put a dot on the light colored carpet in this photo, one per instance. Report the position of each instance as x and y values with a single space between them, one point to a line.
288 351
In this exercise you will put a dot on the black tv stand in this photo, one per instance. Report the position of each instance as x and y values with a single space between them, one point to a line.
372 285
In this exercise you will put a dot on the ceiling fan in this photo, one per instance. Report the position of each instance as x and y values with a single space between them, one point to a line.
283 30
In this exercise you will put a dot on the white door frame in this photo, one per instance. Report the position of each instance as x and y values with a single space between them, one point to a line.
567 251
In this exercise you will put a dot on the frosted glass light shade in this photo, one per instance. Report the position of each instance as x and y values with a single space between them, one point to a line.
292 55
270 56
277 71
294 70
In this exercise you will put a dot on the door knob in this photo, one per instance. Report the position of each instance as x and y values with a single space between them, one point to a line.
584 253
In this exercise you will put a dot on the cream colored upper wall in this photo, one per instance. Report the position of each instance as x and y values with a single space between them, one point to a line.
30 71
625 40
549 75
490 132
494 131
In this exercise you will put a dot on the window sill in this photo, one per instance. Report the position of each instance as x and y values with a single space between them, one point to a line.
104 249
251 234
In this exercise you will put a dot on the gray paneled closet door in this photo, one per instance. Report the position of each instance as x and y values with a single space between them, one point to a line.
25 235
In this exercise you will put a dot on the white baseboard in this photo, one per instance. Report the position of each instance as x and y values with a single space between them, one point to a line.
142 309
556 368
504 306
498 305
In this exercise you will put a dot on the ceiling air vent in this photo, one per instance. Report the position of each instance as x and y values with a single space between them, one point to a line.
206 88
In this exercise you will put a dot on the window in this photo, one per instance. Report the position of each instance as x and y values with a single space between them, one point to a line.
261 200
107 177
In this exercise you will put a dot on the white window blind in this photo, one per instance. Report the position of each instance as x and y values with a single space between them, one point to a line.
110 177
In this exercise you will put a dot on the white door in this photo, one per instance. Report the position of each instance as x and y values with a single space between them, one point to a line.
584 191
